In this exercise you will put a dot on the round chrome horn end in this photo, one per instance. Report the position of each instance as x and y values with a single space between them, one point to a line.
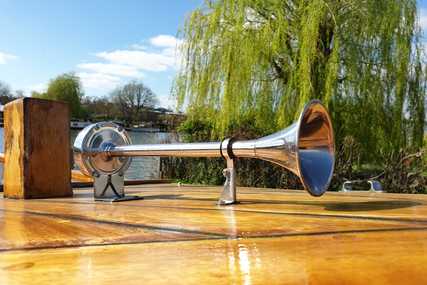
316 148
91 147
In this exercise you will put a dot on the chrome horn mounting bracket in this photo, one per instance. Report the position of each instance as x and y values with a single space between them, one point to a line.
229 194
91 154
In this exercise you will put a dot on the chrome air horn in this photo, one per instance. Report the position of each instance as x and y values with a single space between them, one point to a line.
104 151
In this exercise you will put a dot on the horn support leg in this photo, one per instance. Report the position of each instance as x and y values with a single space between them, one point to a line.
110 188
228 195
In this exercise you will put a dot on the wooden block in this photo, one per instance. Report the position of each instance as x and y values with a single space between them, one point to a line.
37 149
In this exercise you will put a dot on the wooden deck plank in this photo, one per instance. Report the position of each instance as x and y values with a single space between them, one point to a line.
234 221
353 204
356 258
179 235
24 230
357 203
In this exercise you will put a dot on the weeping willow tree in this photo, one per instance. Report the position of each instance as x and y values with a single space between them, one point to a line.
262 60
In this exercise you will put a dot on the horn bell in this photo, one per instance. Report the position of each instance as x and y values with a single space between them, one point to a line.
306 148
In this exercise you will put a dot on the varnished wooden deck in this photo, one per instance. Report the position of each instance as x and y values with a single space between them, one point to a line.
178 235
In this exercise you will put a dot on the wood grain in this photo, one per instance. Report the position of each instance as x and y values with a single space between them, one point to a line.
13 173
37 149
178 235
329 259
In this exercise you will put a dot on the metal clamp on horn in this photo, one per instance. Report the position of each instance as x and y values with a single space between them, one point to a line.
306 148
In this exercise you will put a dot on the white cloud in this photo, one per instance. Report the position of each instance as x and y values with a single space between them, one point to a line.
5 57
165 41
138 46
114 67
99 81
142 60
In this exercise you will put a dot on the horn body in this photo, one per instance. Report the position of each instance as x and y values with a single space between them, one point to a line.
306 148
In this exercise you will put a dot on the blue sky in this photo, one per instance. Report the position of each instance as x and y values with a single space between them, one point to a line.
107 43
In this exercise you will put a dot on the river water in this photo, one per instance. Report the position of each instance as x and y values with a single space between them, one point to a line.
141 167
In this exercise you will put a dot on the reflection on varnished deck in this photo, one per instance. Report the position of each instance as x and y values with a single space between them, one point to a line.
179 235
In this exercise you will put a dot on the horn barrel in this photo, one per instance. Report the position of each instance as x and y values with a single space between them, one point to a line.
306 148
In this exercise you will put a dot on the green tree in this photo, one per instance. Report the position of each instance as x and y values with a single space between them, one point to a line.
100 108
5 90
262 60
67 88
6 94
36 94
131 100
